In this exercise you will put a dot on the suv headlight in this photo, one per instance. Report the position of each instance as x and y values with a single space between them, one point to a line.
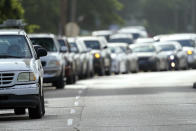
54 63
26 77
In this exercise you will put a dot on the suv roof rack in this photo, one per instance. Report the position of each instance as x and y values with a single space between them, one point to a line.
13 23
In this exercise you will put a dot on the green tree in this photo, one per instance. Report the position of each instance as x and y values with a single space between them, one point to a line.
91 14
10 9
44 13
99 14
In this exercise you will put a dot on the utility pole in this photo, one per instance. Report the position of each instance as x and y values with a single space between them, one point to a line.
63 16
193 15
73 10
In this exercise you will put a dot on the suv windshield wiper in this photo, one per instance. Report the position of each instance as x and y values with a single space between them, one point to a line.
10 56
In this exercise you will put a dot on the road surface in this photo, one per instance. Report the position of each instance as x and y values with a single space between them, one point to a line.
152 101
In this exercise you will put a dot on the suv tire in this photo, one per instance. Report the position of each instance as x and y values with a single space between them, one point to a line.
36 113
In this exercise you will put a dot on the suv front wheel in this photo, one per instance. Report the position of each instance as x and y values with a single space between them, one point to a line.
39 110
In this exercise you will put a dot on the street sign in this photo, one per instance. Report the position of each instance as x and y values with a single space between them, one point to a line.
72 29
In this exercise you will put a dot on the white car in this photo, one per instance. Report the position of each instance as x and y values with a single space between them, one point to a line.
188 42
54 63
21 74
144 40
121 52
121 38
177 58
136 32
101 56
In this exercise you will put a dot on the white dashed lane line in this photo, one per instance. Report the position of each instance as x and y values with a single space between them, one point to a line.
70 122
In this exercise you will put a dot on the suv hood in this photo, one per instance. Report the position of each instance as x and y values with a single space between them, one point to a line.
15 64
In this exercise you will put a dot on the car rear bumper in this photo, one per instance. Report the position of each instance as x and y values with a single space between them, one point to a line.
18 101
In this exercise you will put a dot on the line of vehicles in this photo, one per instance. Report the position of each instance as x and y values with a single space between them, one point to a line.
29 60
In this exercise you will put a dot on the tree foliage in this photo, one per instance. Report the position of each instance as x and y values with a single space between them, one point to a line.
160 16
10 9
96 13
99 13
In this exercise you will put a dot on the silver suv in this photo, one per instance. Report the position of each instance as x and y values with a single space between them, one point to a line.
21 74
54 63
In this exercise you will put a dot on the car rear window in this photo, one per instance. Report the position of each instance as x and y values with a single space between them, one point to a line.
92 44
47 43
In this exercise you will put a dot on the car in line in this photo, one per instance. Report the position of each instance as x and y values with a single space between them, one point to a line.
136 32
90 66
144 40
104 33
123 61
149 57
54 63
119 59
101 55
188 42
80 57
177 58
21 74
121 38
70 69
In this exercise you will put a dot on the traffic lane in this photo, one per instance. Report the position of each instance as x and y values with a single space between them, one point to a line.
147 104
63 110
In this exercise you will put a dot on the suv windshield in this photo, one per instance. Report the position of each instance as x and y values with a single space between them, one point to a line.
14 46
144 49
92 44
47 43
167 47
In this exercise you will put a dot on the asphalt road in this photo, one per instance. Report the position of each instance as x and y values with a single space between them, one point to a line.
162 101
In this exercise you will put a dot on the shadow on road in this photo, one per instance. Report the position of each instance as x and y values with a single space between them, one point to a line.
12 117
119 91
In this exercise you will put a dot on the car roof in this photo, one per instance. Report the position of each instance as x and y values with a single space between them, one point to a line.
12 32
166 43
139 45
41 35
71 39
90 38
117 36
144 40
101 32
177 37
117 44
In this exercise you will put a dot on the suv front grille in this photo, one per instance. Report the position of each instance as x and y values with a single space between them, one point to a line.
6 78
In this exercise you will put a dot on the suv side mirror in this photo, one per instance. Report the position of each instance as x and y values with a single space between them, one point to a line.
40 51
